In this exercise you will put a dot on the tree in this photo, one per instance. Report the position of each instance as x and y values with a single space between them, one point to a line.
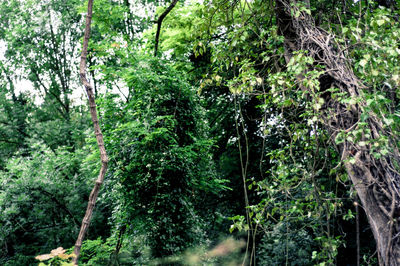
14 132
160 157
299 64
292 104
374 176
99 137
42 48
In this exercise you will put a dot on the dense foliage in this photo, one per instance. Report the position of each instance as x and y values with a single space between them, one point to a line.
237 144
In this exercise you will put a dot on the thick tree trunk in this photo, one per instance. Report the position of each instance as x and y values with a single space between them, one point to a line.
376 180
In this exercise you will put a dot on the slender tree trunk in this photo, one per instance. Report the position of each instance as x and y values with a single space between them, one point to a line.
99 138
376 180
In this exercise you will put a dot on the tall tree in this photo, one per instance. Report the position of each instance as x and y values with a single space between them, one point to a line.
375 177
14 129
41 40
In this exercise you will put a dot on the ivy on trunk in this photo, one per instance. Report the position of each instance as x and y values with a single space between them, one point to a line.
375 178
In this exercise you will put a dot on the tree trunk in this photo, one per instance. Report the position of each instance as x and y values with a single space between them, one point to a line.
99 138
375 179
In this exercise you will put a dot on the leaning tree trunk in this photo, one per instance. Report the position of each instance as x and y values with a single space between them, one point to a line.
376 180
99 138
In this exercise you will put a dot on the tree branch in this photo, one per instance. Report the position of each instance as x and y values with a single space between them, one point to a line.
59 204
159 22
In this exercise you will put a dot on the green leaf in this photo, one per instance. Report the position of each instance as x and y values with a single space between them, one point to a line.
363 62
380 22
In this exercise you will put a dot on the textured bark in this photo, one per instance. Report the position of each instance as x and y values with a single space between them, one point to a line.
99 137
376 180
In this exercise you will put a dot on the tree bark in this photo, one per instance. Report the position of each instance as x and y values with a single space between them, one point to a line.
99 137
375 179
